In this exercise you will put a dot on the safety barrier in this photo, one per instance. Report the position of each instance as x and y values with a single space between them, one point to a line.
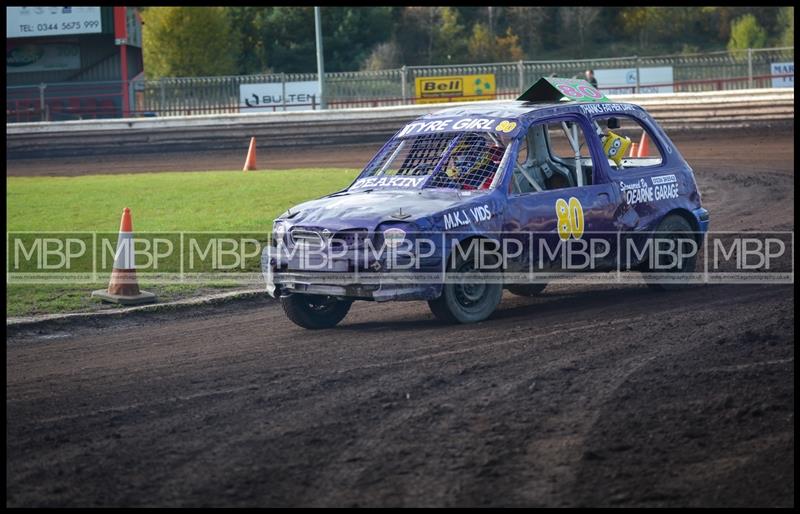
676 111
184 96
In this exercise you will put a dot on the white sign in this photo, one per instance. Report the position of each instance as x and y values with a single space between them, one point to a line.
623 81
782 68
299 96
21 58
51 21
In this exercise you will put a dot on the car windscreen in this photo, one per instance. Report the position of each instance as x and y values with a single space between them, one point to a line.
455 160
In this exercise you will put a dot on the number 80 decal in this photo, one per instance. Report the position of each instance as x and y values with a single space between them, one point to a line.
570 218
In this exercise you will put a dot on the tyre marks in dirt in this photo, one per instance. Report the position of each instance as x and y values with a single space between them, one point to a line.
604 395
712 425
213 412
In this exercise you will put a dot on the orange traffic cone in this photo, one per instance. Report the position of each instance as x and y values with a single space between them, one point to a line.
123 288
250 163
644 146
633 152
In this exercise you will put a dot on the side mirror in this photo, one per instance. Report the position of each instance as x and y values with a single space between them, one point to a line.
612 123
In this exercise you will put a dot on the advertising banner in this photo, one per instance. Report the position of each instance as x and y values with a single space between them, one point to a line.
782 68
295 96
622 81
51 21
456 88
22 58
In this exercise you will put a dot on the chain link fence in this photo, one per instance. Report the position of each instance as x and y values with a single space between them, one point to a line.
752 68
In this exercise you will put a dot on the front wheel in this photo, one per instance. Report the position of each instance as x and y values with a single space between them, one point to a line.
314 311
467 300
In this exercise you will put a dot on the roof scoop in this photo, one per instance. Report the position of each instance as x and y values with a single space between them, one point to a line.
553 89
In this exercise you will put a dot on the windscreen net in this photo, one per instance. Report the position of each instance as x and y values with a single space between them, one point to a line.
465 160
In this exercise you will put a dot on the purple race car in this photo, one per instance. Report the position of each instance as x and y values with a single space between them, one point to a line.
465 202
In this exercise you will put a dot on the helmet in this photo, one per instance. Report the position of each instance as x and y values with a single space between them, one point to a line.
466 155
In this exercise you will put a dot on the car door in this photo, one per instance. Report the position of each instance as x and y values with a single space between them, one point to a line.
647 180
564 225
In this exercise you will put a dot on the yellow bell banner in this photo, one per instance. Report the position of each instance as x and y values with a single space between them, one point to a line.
455 88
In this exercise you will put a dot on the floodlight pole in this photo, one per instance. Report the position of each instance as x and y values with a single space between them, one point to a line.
320 63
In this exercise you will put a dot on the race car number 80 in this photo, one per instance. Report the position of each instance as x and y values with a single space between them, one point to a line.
570 218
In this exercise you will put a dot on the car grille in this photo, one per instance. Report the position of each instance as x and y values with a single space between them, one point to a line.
309 239
352 238
313 238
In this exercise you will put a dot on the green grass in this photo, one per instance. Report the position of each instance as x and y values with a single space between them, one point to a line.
32 299
185 201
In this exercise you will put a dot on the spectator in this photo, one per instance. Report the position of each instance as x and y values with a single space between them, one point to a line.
590 78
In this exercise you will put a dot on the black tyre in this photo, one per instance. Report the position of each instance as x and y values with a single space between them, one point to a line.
674 228
314 311
526 289
468 300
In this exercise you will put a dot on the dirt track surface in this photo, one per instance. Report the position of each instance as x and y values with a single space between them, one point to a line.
586 395
773 147
278 159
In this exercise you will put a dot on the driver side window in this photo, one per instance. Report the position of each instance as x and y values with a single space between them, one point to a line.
552 155
627 143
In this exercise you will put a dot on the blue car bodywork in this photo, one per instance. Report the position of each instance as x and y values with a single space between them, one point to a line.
613 198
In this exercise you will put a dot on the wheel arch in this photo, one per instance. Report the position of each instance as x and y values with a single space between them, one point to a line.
464 243
689 217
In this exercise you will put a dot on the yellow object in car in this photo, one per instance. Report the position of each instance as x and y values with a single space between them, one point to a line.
615 146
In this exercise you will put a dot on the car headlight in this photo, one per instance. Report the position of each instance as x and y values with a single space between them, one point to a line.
278 231
394 237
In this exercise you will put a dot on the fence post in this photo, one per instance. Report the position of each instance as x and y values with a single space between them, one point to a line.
283 90
404 83
750 68
43 114
163 95
638 78
132 96
521 72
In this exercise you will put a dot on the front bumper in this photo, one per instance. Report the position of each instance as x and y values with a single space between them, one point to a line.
286 276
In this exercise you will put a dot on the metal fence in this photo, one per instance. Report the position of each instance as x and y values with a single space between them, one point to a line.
744 69
64 101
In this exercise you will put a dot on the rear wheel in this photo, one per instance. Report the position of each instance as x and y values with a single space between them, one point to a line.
466 300
526 289
314 311
671 231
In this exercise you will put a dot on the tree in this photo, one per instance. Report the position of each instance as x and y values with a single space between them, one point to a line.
508 47
248 26
416 31
644 22
786 24
530 23
579 21
281 39
449 45
350 33
746 33
384 56
188 42
288 37
480 46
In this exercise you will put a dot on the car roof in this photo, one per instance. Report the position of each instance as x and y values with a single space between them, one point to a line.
485 108
505 109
